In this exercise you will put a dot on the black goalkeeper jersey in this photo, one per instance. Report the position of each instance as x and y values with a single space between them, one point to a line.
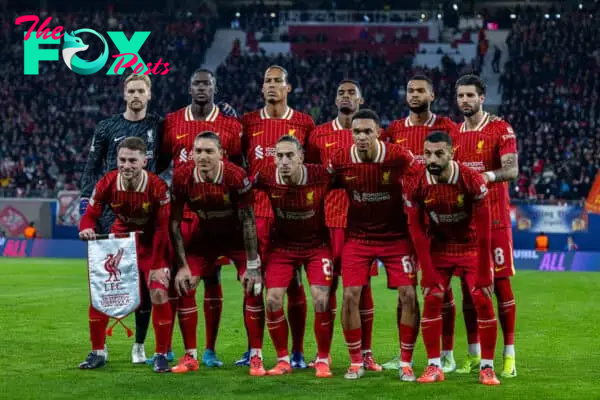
107 136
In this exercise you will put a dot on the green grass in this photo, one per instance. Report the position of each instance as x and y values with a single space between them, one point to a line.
44 336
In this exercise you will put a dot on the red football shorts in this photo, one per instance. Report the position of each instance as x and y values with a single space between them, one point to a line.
397 257
146 263
502 253
208 264
283 263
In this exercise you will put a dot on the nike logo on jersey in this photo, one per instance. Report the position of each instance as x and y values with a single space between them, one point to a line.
401 140
257 133
119 138
116 204
427 201
328 145
498 269
181 136
350 178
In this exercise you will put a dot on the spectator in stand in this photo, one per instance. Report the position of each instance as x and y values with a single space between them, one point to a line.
571 245
542 242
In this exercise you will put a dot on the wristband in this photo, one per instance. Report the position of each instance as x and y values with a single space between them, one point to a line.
253 264
491 176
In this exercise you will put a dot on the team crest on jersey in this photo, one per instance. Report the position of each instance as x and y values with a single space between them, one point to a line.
146 206
292 132
386 178
310 197
480 146
460 200
226 199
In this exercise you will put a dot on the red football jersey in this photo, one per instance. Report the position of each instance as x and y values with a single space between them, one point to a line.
404 133
299 209
180 130
447 208
374 190
261 133
481 150
325 140
215 203
144 209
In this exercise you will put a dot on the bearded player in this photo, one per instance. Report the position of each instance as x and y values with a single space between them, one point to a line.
324 141
371 171
489 146
180 130
140 202
262 130
411 132
449 219
297 194
219 192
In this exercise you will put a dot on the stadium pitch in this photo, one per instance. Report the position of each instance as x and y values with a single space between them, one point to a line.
44 336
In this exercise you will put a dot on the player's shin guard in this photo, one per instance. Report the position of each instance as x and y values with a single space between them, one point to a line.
296 310
161 321
448 321
98 323
188 320
488 326
254 315
278 330
506 312
470 316
213 304
431 326
367 315
323 333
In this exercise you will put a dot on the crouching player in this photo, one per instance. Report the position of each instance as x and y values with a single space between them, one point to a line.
140 202
450 224
297 195
219 192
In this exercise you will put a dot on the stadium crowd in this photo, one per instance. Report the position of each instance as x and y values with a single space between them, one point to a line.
48 119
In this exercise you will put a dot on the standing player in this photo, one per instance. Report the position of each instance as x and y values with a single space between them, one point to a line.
219 192
411 132
449 215
140 202
299 237
324 141
262 130
370 171
134 122
489 146
181 128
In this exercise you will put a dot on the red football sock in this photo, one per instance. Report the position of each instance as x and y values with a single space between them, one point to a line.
245 323
408 337
213 304
448 321
506 309
470 315
353 339
323 329
278 330
173 302
487 324
188 319
296 311
431 325
98 323
367 314
254 316
161 321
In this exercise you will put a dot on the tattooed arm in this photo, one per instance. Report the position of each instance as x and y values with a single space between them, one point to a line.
252 279
508 172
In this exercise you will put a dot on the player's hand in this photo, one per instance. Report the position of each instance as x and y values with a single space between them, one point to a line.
486 178
161 275
183 281
494 117
252 282
83 205
227 109
87 234
435 290
486 289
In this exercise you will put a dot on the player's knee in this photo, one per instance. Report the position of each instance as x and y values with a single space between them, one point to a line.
274 299
320 298
352 296
407 297
159 296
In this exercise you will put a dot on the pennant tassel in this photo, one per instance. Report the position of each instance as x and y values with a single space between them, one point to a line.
109 331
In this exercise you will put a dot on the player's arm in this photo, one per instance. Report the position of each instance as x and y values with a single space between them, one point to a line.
263 221
509 159
313 154
235 146
87 223
336 212
160 244
93 167
483 222
252 279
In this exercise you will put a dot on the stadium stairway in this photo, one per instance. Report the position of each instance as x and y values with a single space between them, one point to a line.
495 38
221 47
